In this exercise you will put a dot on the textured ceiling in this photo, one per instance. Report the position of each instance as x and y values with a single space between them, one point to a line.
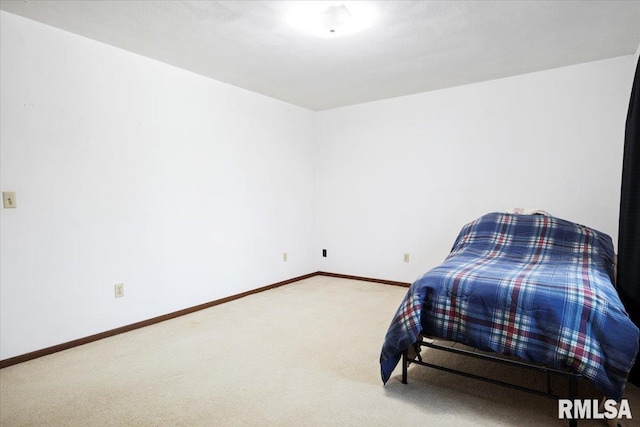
412 47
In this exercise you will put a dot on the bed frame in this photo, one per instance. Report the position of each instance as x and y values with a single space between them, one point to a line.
409 358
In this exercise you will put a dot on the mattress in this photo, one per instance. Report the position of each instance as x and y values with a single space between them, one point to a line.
532 286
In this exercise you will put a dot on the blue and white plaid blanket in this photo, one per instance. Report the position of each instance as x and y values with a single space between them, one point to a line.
531 286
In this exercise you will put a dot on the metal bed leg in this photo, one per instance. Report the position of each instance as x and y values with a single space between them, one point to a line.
573 392
404 366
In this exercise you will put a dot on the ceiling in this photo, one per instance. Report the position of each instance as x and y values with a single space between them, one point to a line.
412 46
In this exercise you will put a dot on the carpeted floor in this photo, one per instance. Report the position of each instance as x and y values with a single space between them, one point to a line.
305 354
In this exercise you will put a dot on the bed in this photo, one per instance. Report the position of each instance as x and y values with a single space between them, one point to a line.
531 286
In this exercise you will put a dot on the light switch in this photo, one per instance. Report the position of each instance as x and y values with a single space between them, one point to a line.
9 199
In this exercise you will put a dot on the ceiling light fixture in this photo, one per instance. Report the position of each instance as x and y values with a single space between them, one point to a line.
331 18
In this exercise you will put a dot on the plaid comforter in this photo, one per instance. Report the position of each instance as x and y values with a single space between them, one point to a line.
531 286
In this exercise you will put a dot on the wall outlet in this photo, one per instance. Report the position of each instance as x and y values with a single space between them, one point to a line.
284 256
9 199
119 290
405 257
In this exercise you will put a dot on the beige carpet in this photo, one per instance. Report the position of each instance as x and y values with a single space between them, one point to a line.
305 354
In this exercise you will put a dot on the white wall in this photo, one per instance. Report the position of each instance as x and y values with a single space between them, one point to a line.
131 171
187 190
404 174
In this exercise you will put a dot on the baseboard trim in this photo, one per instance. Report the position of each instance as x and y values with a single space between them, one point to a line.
127 328
365 279
86 340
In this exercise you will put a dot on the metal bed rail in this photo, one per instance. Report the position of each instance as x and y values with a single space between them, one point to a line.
573 377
